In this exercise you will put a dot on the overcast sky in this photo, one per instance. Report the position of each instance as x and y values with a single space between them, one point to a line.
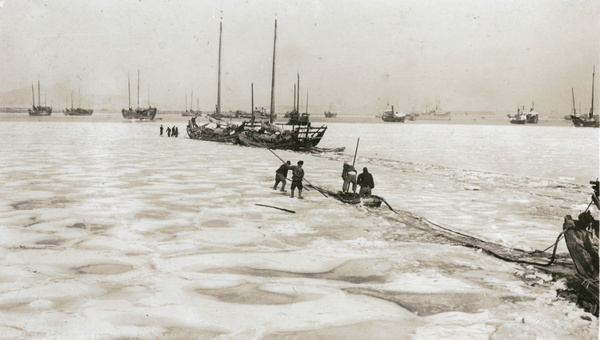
352 56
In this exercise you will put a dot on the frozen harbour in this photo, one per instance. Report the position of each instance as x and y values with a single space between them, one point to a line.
110 231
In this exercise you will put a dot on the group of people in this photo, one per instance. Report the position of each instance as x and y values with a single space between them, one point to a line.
364 180
297 177
349 175
171 132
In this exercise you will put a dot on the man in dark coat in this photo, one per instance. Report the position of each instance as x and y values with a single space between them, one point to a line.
366 182
281 174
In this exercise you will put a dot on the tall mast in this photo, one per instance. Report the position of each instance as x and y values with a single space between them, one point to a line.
186 101
129 89
252 96
298 96
273 76
218 111
306 101
79 98
294 98
191 102
592 108
149 95
44 97
39 100
138 98
71 100
67 102
33 95
573 94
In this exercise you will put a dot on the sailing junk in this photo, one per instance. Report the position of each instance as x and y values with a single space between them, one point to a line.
78 111
255 133
582 121
39 110
138 113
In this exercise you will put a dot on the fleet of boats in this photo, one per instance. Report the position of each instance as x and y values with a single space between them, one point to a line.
259 132
523 117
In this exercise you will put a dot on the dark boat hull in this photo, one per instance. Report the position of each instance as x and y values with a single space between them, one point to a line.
40 111
351 198
139 113
301 138
393 119
212 135
583 122
78 112
581 237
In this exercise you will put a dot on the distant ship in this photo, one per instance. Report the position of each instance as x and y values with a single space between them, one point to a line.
138 113
39 110
591 120
523 117
389 115
191 112
329 114
78 111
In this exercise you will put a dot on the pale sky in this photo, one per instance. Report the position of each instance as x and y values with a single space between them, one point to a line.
352 56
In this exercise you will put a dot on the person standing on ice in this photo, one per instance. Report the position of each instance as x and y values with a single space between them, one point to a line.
161 130
297 176
349 176
366 182
281 174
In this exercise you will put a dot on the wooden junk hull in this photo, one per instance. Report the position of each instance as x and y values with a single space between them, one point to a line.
78 112
581 237
210 135
142 114
302 138
40 111
582 122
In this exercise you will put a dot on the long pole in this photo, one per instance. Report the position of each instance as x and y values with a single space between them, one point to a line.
573 94
306 101
355 151
592 108
294 109
129 89
79 95
39 100
219 76
71 100
33 95
191 102
252 100
298 96
272 111
138 98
